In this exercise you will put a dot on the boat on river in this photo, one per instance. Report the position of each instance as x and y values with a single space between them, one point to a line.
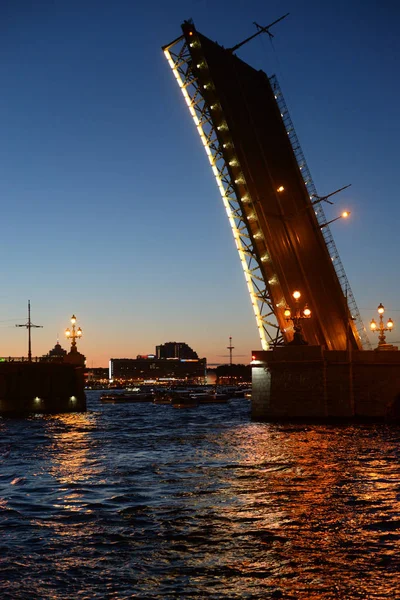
162 398
184 402
126 397
210 397
243 393
181 400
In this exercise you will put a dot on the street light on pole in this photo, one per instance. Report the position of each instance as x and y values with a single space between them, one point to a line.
380 327
344 215
296 316
73 334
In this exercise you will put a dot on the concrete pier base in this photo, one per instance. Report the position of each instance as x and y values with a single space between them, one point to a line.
309 382
40 388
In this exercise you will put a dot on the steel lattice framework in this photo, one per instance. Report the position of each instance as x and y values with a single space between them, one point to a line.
220 150
249 223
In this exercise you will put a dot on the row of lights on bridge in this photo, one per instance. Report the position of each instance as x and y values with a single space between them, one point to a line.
39 401
223 129
297 314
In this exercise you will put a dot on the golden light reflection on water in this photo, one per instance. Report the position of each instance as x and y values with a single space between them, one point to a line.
72 462
296 503
75 464
209 509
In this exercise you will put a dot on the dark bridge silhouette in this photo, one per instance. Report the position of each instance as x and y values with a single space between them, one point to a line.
276 215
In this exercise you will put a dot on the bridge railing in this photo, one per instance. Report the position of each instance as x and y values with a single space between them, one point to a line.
24 359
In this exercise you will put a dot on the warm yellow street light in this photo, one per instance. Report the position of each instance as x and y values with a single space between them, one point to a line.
296 317
380 327
73 334
344 215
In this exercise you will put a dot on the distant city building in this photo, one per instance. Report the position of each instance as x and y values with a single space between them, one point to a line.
175 350
191 370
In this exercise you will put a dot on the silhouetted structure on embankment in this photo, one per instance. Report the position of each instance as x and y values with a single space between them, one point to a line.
29 387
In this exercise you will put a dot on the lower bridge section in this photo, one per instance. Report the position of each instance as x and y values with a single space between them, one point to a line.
41 388
309 382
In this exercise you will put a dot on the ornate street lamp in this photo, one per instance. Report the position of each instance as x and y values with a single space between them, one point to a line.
380 327
296 316
73 334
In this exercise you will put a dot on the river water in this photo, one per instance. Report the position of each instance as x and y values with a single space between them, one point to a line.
148 501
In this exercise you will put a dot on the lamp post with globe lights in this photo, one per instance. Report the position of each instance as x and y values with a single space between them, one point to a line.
73 334
296 316
380 327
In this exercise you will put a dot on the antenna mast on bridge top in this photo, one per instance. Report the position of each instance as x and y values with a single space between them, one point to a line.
260 30
29 326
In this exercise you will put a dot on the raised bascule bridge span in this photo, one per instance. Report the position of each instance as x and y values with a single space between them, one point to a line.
282 237
245 128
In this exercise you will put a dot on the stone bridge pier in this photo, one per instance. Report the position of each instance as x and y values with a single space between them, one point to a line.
309 382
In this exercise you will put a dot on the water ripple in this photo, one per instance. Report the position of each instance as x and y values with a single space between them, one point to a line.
149 502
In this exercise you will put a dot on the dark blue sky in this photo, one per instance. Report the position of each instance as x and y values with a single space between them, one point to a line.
109 208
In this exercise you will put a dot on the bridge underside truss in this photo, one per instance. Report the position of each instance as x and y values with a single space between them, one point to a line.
221 155
252 150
